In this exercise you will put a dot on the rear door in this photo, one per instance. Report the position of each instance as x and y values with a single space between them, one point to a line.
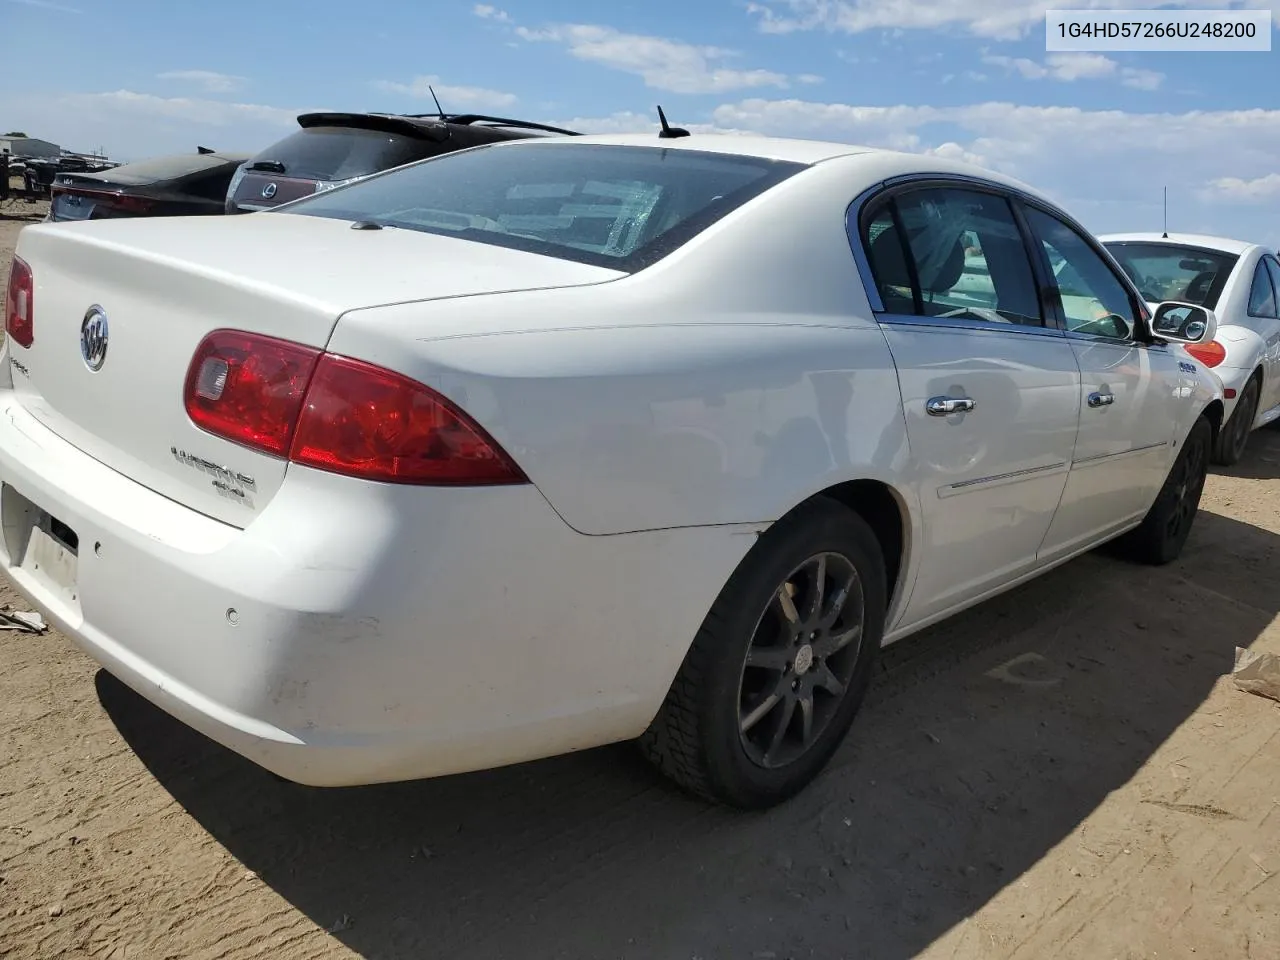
990 391
1128 406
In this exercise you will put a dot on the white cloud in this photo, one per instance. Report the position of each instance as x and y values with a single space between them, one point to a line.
1069 67
131 125
1003 20
1141 79
451 97
206 80
486 12
1236 190
1106 165
663 64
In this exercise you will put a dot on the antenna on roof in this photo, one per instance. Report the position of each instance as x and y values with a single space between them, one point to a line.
1166 214
669 132
439 109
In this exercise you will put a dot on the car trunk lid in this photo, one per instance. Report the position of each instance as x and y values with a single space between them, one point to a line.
164 285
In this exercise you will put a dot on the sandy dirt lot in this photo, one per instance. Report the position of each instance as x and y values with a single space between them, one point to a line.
1062 773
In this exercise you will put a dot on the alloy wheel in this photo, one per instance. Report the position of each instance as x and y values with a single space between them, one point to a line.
801 659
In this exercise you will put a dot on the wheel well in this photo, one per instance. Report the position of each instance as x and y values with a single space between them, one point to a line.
1214 412
879 507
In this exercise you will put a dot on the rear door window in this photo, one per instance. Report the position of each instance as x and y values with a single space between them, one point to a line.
954 254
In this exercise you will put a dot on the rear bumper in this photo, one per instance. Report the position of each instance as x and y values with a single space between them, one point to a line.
357 632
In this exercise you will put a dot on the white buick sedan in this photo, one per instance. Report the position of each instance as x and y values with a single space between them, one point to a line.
551 444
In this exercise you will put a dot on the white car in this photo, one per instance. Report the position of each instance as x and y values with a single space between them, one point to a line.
539 446
1240 283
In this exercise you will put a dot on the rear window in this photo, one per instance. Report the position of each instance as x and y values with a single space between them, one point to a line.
162 168
1164 271
339 153
612 206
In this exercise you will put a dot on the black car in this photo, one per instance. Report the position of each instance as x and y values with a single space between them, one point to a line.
39 173
330 149
189 184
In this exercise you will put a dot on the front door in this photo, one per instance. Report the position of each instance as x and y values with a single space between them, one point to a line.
989 391
1130 392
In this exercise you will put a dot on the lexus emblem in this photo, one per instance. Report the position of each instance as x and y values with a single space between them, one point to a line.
269 191
93 338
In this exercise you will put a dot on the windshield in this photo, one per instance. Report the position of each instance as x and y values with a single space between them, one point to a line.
340 153
1163 271
613 206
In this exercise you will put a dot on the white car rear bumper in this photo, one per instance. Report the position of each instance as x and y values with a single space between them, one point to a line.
360 632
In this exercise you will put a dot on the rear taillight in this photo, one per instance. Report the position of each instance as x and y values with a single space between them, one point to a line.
19 304
1210 354
337 414
249 389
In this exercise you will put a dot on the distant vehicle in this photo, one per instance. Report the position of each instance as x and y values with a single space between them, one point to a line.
1240 283
543 445
331 149
40 172
189 184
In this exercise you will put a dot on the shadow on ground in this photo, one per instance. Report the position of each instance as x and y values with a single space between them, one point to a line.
954 782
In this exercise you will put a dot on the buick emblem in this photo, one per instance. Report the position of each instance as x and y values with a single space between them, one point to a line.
269 191
93 338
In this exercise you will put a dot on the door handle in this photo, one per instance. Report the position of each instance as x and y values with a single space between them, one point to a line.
1101 399
945 406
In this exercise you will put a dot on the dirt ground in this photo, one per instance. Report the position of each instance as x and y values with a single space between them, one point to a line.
1062 773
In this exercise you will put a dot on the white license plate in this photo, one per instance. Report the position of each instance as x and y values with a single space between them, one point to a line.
72 207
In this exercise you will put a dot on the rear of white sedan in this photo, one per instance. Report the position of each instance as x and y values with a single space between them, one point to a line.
232 473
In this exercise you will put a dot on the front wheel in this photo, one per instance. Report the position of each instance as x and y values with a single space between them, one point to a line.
1165 528
780 665
1235 432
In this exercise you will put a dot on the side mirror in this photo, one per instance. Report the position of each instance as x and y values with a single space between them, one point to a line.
1184 322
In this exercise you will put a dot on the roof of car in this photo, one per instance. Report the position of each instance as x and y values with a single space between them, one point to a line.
885 163
768 148
1204 242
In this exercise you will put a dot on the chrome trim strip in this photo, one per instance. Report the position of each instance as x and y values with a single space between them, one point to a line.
851 218
959 323
1001 478
1099 457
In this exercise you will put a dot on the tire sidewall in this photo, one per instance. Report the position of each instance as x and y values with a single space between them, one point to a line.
1250 411
818 527
1201 434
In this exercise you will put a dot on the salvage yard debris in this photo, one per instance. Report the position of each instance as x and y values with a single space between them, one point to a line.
1257 673
23 621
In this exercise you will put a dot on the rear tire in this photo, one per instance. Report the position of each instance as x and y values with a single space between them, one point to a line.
1164 530
780 665
1234 435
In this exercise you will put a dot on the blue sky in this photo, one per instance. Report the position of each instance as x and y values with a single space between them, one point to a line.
966 78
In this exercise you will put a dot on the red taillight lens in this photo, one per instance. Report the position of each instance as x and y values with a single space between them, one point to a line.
19 304
249 389
1210 354
368 422
337 414
135 205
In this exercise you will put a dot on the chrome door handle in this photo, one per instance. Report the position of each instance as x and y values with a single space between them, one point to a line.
945 406
1101 399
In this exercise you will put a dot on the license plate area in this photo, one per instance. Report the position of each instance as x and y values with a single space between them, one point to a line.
42 546
71 207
